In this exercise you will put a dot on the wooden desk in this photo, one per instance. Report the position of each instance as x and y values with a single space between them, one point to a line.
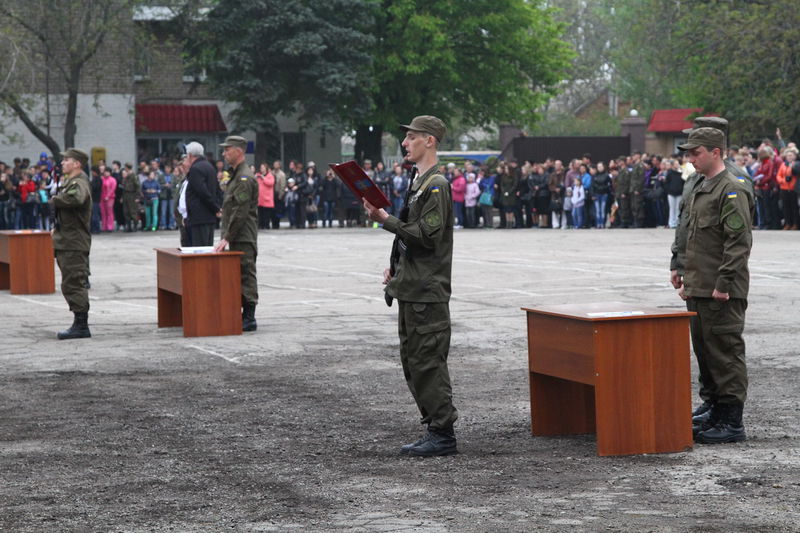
201 292
617 370
26 262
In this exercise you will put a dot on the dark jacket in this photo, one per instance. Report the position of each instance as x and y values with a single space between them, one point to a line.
202 193
601 184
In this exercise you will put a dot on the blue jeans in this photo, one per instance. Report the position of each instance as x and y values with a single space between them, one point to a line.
397 205
327 213
95 225
166 220
600 210
577 217
459 209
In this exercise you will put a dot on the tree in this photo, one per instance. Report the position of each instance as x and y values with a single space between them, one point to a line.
277 57
737 58
54 40
481 61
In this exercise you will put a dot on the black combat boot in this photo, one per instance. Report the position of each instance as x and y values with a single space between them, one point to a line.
249 317
406 447
437 442
702 419
79 328
728 426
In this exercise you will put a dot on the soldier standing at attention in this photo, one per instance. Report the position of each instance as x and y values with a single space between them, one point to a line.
240 223
716 283
131 194
72 239
636 191
419 278
621 186
700 415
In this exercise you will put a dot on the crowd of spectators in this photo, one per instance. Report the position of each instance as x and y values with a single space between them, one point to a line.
637 190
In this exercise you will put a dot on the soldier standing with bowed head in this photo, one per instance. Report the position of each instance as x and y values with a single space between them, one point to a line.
716 282
419 278
240 223
72 239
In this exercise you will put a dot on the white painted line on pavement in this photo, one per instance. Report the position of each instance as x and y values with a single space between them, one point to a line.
29 300
233 360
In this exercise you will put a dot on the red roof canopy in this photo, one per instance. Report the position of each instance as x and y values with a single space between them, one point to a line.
673 120
163 118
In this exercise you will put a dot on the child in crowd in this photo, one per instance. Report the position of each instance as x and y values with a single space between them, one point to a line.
44 207
578 200
471 200
567 221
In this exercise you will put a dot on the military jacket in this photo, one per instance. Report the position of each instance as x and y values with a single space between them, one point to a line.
720 235
623 181
240 207
681 231
423 272
130 184
73 204
637 179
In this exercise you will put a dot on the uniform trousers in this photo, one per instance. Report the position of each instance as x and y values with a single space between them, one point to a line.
74 267
719 347
424 330
248 270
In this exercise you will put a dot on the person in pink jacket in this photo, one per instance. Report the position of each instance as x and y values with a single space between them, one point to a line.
459 188
266 196
107 196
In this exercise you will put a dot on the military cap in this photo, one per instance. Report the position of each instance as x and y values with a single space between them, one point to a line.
236 141
427 124
77 155
718 123
708 137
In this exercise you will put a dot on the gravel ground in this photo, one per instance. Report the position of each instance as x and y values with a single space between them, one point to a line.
297 427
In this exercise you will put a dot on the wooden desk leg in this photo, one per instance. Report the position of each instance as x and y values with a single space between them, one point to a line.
170 314
561 407
5 277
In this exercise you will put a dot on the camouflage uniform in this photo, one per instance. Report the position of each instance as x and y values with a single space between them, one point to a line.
72 239
240 226
421 285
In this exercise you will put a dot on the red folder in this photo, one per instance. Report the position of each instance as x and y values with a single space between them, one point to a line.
362 186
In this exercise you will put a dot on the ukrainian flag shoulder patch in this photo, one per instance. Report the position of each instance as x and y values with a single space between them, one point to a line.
733 194
435 189
741 180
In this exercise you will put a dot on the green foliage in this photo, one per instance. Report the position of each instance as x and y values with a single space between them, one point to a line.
481 60
282 56
734 57
568 125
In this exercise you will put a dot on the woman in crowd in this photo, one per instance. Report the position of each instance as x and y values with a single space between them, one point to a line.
578 201
673 185
150 191
459 189
266 196
787 181
108 195
486 199
540 191
471 195
329 195
27 198
601 187
506 186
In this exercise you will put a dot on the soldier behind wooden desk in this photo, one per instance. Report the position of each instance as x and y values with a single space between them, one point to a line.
240 223
72 239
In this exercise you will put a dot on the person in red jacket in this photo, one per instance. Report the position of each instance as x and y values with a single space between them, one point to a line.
459 190
767 186
787 182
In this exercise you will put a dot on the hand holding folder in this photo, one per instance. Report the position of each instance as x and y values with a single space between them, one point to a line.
362 186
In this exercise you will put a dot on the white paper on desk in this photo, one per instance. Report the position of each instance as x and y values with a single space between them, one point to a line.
615 314
196 249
